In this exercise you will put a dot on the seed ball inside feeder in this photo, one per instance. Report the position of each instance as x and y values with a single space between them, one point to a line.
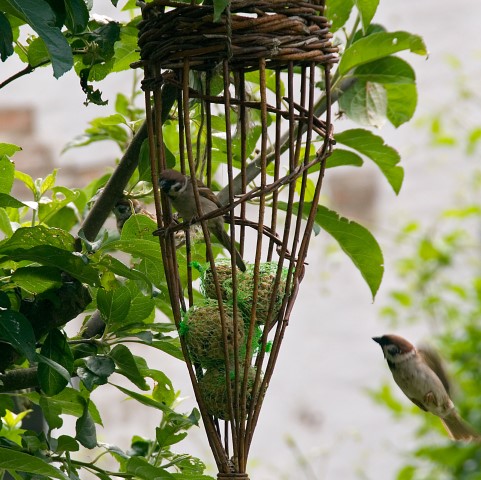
214 390
202 329
223 269
265 291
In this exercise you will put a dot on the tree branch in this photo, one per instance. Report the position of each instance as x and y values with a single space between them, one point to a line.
125 169
115 186
28 69
18 379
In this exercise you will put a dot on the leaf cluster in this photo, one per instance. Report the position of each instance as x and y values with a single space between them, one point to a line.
47 281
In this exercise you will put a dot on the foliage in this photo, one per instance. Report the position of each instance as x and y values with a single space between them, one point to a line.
48 263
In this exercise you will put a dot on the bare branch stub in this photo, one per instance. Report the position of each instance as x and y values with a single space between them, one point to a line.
244 83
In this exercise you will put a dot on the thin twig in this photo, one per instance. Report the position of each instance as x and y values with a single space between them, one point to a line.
28 69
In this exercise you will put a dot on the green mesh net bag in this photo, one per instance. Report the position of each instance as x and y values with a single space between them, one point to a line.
224 275
245 291
202 330
214 390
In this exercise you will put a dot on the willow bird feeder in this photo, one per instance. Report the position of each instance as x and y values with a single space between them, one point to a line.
244 86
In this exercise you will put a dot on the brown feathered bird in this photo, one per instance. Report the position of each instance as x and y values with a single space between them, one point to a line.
180 191
420 374
126 207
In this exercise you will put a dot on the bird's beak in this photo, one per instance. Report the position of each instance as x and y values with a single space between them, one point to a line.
377 340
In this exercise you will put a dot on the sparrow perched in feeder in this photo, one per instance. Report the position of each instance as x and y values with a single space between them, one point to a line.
420 374
180 191
125 208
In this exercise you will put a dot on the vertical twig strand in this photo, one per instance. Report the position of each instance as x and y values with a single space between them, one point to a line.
214 66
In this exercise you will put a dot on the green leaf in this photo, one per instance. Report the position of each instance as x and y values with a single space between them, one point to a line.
219 7
140 227
27 180
141 306
398 79
77 15
66 443
367 9
126 49
401 103
115 119
9 149
137 248
61 217
61 197
54 366
338 12
85 431
37 53
385 71
168 435
9 201
379 45
37 279
16 330
51 411
39 15
357 242
117 267
100 365
365 103
373 147
7 173
340 157
407 473
142 469
164 390
144 400
18 461
28 237
114 304
71 402
5 225
6 403
6 38
474 137
171 347
56 348
127 366
48 182
71 262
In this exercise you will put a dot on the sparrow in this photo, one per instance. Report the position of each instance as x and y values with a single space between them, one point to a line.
125 208
420 374
180 191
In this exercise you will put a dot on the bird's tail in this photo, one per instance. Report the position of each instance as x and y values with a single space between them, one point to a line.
458 429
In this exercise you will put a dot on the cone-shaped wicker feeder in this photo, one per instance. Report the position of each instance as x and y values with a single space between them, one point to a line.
273 151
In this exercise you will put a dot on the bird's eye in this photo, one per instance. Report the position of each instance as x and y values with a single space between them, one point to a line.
393 350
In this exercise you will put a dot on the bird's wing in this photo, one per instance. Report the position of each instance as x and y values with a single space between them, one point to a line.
206 192
435 363
418 403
